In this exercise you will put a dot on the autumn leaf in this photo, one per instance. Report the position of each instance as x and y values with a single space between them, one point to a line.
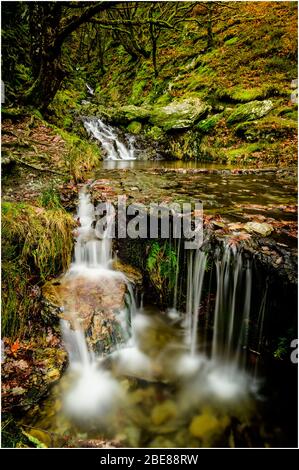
15 347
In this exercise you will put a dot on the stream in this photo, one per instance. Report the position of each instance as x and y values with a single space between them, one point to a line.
190 374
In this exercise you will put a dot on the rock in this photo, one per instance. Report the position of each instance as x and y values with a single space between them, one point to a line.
206 425
130 113
250 111
180 114
132 273
203 424
164 412
263 229
134 127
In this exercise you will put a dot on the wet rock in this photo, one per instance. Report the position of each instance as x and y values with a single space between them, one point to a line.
263 229
133 274
164 412
207 424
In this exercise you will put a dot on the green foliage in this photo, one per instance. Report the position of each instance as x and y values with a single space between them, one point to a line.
50 198
11 434
161 264
36 244
81 156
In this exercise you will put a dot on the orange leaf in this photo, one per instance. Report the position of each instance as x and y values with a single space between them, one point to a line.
15 346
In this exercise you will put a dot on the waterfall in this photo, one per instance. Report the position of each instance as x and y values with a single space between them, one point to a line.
91 252
232 307
107 136
196 271
93 390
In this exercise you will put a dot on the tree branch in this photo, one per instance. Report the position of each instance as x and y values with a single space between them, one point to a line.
76 21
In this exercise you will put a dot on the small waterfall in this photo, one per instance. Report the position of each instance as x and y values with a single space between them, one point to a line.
93 250
196 271
232 307
93 391
107 136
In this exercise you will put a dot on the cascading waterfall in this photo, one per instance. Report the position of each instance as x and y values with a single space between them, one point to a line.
196 271
107 136
91 253
232 307
93 389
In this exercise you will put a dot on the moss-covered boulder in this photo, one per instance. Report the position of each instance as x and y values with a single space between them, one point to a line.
180 114
269 128
250 111
134 127
130 113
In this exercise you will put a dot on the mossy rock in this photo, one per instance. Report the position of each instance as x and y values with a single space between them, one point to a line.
269 129
155 133
250 111
245 95
127 114
134 127
206 125
180 114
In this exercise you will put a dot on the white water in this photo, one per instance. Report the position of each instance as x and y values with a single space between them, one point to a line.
93 391
107 136
218 371
196 272
232 307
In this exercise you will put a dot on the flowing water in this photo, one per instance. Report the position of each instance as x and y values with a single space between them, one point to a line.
178 378
113 147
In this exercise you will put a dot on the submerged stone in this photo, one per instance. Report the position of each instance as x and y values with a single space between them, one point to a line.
164 412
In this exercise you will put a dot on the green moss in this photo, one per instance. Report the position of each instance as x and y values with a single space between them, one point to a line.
243 152
250 111
208 124
155 133
231 41
134 127
137 92
244 95
270 128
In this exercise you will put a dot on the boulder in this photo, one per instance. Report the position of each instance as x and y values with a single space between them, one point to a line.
179 114
134 127
250 111
127 114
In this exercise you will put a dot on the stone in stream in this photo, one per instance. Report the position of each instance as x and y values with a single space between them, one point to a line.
263 229
95 303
